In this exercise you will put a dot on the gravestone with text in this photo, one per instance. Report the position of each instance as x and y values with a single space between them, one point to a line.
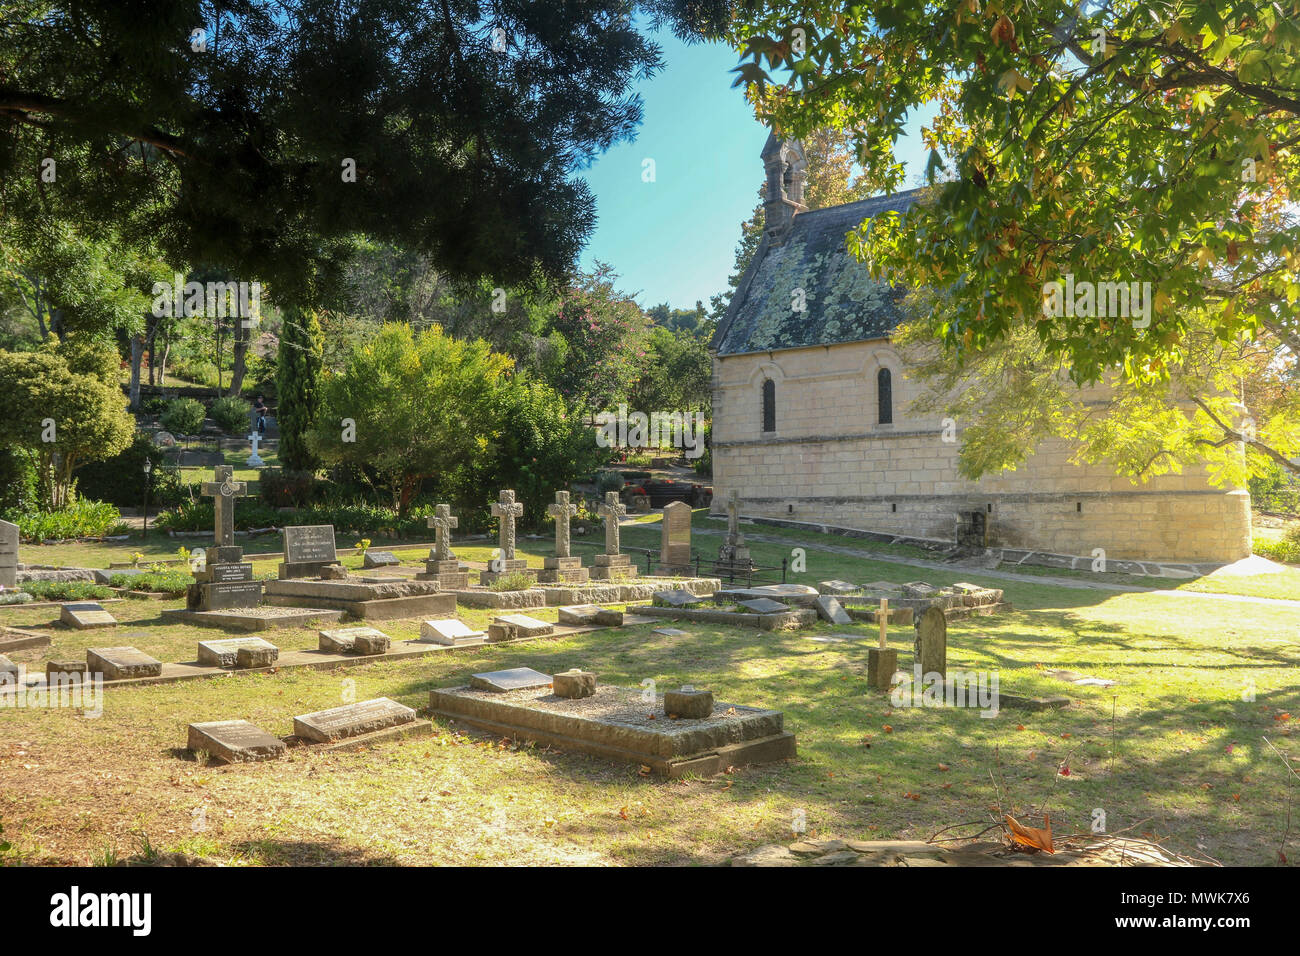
564 567
442 565
234 741
308 550
932 642
226 580
613 564
675 539
8 555
121 663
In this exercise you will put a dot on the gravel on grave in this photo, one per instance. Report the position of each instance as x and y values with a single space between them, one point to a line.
611 705
264 611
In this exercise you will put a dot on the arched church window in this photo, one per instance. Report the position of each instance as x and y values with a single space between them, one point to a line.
769 405
885 396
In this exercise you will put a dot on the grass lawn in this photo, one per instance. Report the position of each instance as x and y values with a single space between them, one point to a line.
1189 763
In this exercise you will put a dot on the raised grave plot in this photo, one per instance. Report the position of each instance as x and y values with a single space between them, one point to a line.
379 599
617 724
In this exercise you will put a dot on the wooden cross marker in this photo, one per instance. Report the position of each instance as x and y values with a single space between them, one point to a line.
224 489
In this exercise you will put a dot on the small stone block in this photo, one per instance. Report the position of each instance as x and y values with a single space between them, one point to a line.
340 640
881 667
67 670
121 663
695 704
574 684
368 644
85 616
334 572
510 627
250 655
225 653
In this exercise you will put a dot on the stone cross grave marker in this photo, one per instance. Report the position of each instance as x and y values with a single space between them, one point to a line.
611 511
442 521
255 460
507 509
562 511
734 537
223 489
8 554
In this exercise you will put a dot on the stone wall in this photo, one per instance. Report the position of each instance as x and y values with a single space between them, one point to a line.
829 460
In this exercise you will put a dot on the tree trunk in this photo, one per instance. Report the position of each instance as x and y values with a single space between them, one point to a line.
137 355
241 341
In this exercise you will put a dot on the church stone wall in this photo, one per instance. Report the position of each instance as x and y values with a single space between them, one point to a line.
829 461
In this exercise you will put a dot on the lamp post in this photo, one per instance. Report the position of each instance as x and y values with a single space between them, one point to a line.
148 467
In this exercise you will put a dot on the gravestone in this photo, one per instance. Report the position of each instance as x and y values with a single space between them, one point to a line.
689 703
379 559
831 610
343 640
86 615
450 631
8 671
66 671
932 642
612 565
351 720
254 460
574 684
226 581
676 598
225 653
564 567
675 539
234 741
510 627
516 678
763 606
8 555
308 549
121 663
882 660
251 656
733 555
442 565
588 615
837 587
507 510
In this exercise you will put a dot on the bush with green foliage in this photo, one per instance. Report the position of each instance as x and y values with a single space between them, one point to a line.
183 416
281 488
165 580
1285 549
121 479
231 414
17 482
82 518
514 581
297 387
66 590
1276 489
607 481
15 597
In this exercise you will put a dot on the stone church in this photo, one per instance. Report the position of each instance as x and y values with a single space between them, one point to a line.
812 420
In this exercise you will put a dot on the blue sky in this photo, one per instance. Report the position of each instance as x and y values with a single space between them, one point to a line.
673 240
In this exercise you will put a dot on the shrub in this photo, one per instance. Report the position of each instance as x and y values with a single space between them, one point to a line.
514 581
17 482
83 518
66 590
120 480
607 481
231 413
183 416
281 488
1286 549
168 581
14 597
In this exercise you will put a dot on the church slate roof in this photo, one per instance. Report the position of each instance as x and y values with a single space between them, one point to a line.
843 303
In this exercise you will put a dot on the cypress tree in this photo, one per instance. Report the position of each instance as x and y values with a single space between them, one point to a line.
297 386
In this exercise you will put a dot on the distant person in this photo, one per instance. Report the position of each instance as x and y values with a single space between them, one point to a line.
259 406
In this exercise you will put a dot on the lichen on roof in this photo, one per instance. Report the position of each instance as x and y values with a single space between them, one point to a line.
842 302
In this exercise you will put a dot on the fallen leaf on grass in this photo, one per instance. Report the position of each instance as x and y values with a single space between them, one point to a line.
1040 839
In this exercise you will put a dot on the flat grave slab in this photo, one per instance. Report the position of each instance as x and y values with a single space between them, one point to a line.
224 653
121 663
669 631
234 741
382 599
763 606
836 586
254 618
342 640
615 723
451 631
829 609
85 616
351 720
509 627
379 559
590 615
516 678
789 593
677 598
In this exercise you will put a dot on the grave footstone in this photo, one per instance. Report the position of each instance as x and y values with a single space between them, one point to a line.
250 656
677 598
308 550
510 627
668 631
367 645
589 615
574 684
675 539
342 640
763 606
121 663
829 609
379 559
688 703
234 741
351 720
837 587
515 678
450 631
72 671
85 615
225 652
932 642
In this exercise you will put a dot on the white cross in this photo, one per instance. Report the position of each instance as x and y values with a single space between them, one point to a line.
255 459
